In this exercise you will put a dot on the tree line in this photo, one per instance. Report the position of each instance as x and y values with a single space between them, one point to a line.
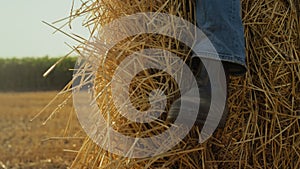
26 74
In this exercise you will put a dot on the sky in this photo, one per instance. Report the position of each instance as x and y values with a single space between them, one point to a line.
23 34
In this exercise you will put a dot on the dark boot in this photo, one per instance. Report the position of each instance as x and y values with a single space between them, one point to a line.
204 87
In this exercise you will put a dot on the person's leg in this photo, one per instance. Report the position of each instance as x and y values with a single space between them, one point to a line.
222 24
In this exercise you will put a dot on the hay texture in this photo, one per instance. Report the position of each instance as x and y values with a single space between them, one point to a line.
262 130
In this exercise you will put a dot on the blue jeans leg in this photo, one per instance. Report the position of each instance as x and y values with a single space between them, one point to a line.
221 22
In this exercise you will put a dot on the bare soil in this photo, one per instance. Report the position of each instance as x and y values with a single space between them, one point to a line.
26 144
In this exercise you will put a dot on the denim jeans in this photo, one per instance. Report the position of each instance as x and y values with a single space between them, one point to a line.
220 21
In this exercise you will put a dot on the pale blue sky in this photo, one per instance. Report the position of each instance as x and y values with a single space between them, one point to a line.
22 32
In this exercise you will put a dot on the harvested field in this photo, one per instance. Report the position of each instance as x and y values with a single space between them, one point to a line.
25 144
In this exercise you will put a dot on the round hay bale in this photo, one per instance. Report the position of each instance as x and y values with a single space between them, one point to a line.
262 130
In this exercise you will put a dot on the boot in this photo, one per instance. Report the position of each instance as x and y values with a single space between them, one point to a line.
204 87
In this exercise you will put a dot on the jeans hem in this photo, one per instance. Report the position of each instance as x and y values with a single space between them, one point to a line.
235 66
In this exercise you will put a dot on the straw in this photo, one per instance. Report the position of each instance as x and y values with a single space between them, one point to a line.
262 130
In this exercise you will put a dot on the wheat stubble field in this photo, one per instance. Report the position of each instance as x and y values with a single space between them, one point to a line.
26 144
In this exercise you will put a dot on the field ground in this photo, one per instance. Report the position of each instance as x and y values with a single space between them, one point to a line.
25 144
